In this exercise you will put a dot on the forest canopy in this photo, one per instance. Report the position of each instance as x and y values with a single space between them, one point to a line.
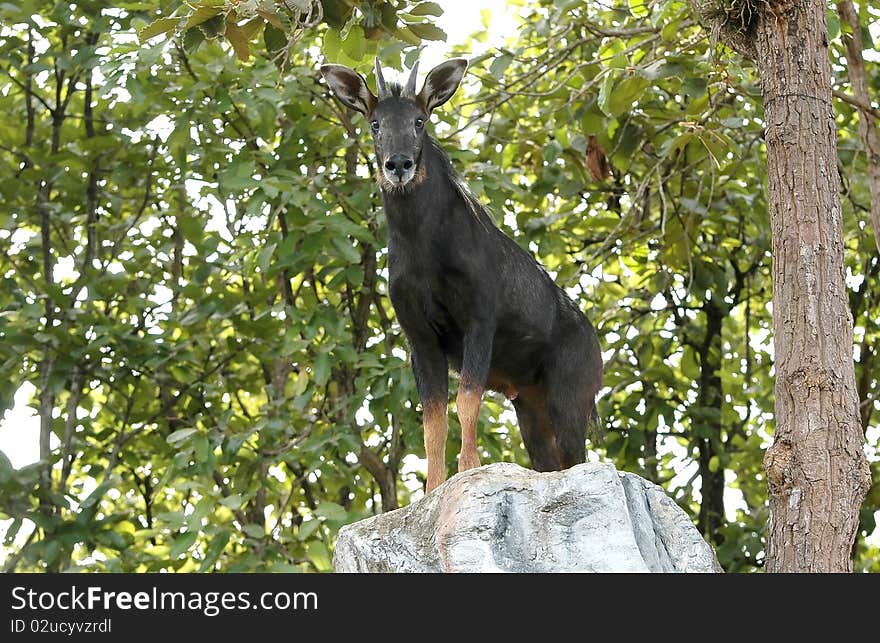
193 260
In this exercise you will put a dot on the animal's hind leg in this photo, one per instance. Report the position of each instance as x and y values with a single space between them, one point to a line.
476 357
537 434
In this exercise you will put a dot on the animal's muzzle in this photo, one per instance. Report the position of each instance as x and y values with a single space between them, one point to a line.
399 164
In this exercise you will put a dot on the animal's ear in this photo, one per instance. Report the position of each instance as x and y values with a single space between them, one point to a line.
350 87
441 83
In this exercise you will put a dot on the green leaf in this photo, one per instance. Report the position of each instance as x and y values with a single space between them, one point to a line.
192 39
427 31
158 27
173 520
407 36
321 369
615 99
232 501
332 45
639 8
427 9
265 257
500 64
355 45
6 469
97 494
307 528
345 250
12 530
200 15
215 548
689 364
112 539
201 448
331 511
695 86
605 92
254 531
180 435
213 27
275 40
319 555
182 544
671 31
552 151
833 22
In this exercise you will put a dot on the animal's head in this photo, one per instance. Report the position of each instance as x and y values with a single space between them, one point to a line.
397 116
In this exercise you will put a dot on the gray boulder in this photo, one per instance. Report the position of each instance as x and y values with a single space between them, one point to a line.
504 518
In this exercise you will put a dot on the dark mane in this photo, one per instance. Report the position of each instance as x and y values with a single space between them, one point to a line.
394 88
473 204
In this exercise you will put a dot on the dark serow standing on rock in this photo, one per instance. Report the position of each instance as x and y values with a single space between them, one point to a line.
466 295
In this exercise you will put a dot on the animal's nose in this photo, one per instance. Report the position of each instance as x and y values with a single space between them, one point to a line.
398 163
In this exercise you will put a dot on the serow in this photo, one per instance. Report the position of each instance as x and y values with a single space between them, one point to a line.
466 295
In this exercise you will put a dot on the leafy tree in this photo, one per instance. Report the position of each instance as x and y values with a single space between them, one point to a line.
193 261
817 473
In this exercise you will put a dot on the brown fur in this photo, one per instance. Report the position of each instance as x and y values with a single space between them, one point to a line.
467 405
435 426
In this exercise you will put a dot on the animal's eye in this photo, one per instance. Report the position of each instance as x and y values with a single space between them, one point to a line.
420 123
375 125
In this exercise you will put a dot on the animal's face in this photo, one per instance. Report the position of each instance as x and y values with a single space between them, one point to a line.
398 128
397 116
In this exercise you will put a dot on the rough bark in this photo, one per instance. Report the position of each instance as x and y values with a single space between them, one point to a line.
385 476
816 469
858 80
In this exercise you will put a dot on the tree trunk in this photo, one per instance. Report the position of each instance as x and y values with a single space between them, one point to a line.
858 80
710 400
816 469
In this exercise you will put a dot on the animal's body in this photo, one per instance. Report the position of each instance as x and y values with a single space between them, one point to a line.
466 295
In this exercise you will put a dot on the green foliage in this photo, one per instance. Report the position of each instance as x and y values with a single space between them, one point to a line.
354 28
194 282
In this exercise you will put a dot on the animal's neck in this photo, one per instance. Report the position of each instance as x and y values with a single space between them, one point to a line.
419 206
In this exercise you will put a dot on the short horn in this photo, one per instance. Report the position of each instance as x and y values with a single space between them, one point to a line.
410 91
380 81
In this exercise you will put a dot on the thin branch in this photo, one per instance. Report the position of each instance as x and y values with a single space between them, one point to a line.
12 563
855 102
858 79
28 90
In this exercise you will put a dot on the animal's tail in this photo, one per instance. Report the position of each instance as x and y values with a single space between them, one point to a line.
595 426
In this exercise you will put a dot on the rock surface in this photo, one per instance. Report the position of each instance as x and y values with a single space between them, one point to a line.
504 518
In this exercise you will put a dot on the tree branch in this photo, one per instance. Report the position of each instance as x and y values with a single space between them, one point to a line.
865 108
858 80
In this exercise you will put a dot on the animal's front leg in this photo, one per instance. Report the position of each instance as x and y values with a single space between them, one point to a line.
431 371
468 404
435 425
474 372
